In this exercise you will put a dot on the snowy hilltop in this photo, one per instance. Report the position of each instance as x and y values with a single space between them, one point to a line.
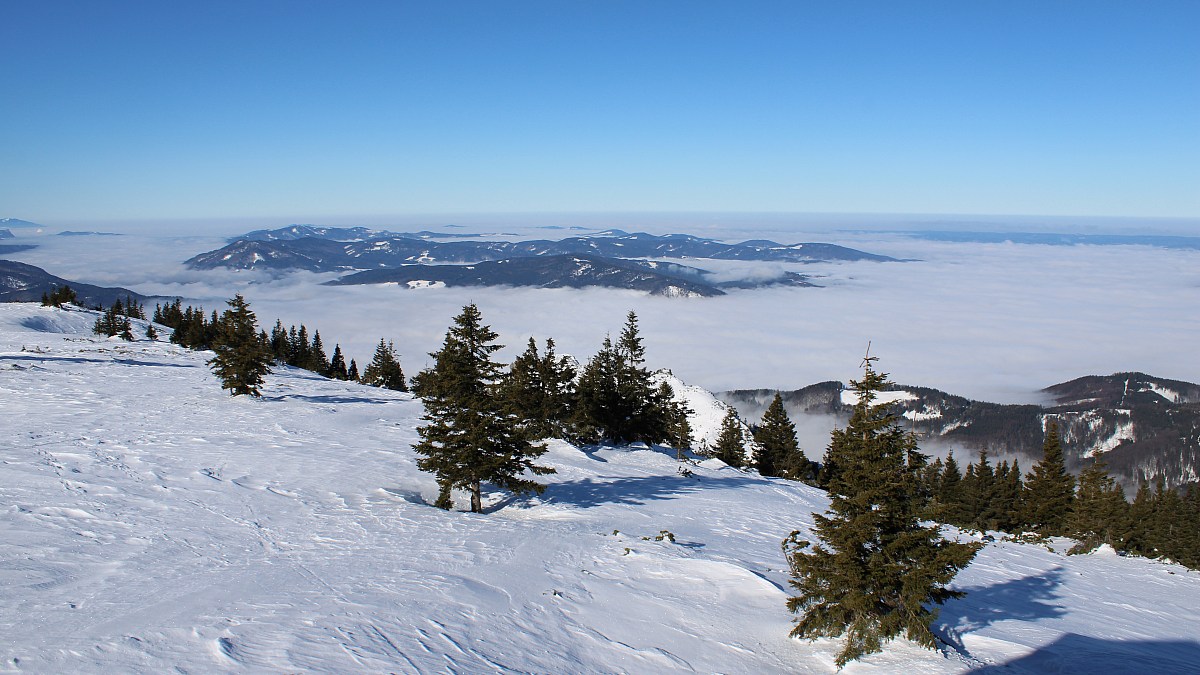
153 522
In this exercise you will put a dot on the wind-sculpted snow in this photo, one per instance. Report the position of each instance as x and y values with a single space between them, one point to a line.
153 523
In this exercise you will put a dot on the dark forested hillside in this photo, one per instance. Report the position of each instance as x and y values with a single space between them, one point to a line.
1145 427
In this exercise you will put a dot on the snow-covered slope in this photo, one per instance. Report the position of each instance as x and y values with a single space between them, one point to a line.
153 523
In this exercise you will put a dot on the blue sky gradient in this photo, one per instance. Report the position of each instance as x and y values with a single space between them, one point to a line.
143 110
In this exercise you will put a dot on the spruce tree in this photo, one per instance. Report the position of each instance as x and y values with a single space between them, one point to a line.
1049 489
539 388
468 438
679 426
317 362
352 371
731 443
384 369
1099 512
878 568
617 399
779 452
242 359
337 364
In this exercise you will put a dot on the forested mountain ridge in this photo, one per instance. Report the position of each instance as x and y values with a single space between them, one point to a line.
564 271
315 252
20 282
1145 427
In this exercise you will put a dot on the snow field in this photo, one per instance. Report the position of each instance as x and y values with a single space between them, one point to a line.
153 522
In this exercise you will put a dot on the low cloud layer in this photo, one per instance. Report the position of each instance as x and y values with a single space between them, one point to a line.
989 321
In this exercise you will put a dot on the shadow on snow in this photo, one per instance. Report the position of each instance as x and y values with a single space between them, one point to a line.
1073 653
588 492
1025 599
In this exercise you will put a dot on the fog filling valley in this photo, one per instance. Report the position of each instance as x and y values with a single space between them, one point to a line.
993 322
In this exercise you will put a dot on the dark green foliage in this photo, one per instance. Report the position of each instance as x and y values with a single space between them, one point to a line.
114 322
1049 490
679 428
1099 513
778 451
541 390
731 442
151 332
1007 499
1163 524
242 358
878 567
977 491
317 361
616 398
384 369
352 372
468 437
61 295
337 365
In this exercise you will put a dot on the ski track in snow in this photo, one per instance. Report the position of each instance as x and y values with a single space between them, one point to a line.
153 523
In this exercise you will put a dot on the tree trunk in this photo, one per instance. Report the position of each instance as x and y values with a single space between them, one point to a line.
476 499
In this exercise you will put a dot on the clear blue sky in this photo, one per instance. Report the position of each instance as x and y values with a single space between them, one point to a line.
207 109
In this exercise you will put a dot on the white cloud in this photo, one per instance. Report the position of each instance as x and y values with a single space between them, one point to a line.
993 322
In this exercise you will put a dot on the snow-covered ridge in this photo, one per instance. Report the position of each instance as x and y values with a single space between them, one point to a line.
850 397
154 523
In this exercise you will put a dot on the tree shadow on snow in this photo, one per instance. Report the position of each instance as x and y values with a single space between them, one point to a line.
42 358
1026 599
1082 654
328 398
638 490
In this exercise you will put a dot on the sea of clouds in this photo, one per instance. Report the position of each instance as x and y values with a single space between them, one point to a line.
994 322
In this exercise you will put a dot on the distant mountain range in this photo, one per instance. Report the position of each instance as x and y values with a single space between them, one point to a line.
1058 239
1144 427
609 258
562 271
25 283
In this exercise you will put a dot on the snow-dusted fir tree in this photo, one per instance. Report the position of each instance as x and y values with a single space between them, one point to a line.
468 437
878 567
242 358
384 369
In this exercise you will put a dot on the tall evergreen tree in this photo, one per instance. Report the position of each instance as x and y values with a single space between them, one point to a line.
617 399
878 567
468 437
337 364
1049 490
317 362
731 442
1099 512
384 369
352 372
679 426
1007 509
539 388
242 360
779 452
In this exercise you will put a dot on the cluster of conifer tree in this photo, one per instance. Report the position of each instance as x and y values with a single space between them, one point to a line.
61 295
194 329
116 320
484 421
1051 502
